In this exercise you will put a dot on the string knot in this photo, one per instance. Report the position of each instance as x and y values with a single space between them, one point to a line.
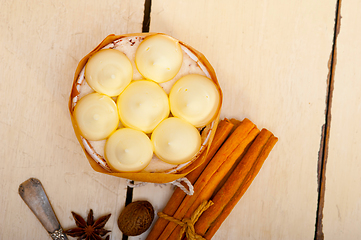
187 224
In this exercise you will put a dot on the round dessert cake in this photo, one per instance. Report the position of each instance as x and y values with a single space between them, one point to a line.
144 103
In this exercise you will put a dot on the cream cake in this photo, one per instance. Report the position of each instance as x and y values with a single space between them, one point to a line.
114 85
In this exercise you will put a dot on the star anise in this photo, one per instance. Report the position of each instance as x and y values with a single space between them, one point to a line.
89 229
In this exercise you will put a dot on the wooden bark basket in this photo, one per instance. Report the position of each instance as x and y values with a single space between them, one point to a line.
158 177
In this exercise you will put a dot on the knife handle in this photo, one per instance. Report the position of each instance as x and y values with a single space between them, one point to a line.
33 194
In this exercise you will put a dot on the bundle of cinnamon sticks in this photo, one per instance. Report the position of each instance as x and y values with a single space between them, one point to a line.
235 157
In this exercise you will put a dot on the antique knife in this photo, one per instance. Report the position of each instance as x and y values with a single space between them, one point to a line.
33 194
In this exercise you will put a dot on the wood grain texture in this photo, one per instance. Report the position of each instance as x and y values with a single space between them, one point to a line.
271 59
341 215
41 45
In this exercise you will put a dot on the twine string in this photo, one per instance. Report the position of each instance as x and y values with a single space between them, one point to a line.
135 185
187 224
178 183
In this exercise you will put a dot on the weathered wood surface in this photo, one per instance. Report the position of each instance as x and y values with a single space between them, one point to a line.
342 211
272 62
271 59
41 45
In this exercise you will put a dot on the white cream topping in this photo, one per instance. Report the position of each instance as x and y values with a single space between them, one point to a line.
128 150
128 45
194 98
108 71
175 141
96 115
143 105
159 58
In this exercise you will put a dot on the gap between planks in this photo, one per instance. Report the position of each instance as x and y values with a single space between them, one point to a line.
322 160
145 28
324 145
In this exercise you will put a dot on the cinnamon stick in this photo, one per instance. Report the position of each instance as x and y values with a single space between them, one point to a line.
210 221
223 130
211 187
223 196
215 171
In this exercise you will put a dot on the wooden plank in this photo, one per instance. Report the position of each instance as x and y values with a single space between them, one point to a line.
342 208
271 59
41 45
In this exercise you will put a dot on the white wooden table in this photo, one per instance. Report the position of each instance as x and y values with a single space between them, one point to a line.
273 60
